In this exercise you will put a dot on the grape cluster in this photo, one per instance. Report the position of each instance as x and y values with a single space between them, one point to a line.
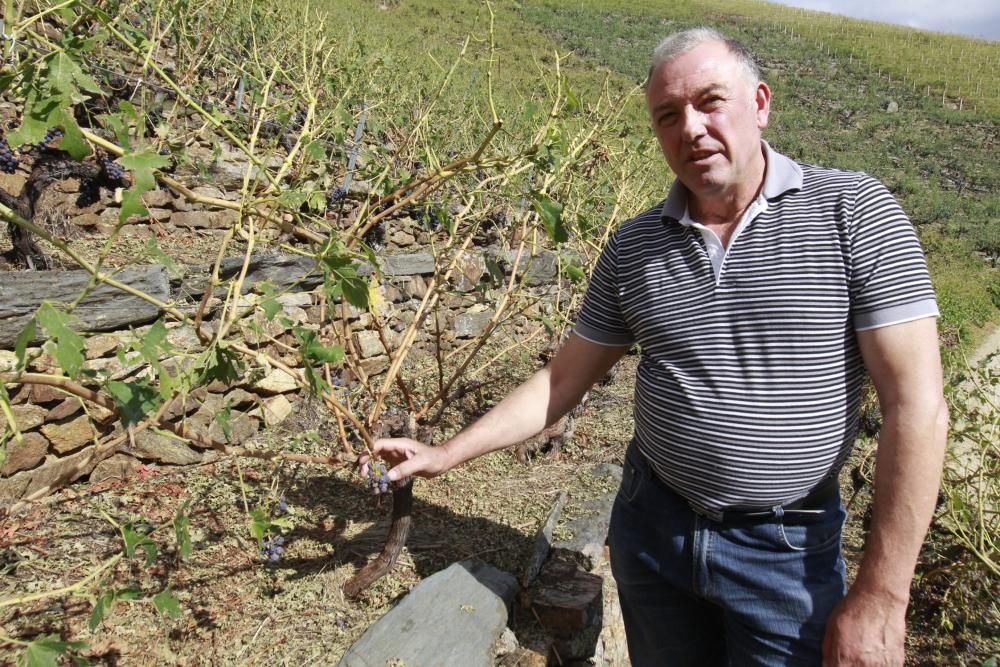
282 505
113 171
274 548
335 196
8 161
378 478
51 135
376 236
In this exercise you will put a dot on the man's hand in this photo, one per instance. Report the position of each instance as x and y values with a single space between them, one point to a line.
542 400
865 630
407 458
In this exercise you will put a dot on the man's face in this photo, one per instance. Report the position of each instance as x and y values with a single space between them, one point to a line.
708 118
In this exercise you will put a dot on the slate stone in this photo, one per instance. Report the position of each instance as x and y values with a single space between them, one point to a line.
26 416
8 361
241 428
369 344
469 270
274 410
99 346
25 454
67 408
375 365
590 528
539 269
470 325
408 265
543 540
276 382
117 467
103 309
451 619
155 446
70 436
13 488
56 472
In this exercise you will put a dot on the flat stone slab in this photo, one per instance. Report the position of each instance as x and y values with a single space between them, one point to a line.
411 264
103 309
451 619
590 529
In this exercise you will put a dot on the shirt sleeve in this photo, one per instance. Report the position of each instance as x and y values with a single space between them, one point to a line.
889 280
601 320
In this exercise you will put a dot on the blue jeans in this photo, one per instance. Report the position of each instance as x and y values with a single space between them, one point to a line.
696 592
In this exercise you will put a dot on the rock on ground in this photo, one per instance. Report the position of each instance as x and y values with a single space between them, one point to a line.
466 603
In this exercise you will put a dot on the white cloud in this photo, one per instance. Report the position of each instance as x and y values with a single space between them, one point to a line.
977 18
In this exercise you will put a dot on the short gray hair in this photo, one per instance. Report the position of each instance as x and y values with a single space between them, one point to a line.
680 43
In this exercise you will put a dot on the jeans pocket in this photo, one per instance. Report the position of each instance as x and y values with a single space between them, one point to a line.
632 478
812 533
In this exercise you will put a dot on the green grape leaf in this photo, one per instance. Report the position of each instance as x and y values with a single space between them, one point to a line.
572 269
135 400
292 198
223 418
166 603
132 205
24 339
550 212
119 127
66 344
271 308
344 273
259 525
141 163
220 364
182 533
45 652
72 141
154 343
128 594
316 151
317 385
134 539
97 615
313 350
66 77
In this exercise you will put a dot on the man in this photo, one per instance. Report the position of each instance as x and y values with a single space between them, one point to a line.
759 291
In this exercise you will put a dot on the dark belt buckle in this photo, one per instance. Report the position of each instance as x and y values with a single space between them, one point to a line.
712 514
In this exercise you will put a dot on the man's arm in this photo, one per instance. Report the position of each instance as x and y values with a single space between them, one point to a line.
540 401
903 360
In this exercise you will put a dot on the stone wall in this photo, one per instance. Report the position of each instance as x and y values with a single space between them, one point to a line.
61 432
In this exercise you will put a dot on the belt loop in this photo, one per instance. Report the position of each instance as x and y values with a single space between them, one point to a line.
779 511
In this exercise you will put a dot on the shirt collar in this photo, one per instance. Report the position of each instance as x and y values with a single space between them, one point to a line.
781 175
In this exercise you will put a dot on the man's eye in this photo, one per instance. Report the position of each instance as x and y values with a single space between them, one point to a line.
668 118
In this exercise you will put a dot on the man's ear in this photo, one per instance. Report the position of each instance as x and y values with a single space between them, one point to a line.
762 104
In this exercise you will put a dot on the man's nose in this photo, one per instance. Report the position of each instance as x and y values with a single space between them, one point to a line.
693 123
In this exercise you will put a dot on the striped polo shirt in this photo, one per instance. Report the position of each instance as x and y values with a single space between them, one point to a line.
749 385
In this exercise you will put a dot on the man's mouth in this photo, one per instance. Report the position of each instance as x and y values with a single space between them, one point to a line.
701 156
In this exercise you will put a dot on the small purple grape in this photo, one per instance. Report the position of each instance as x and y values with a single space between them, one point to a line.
335 196
282 505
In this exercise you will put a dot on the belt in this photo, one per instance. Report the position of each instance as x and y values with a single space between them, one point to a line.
813 502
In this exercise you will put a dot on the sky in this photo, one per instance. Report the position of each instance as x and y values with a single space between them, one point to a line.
975 18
